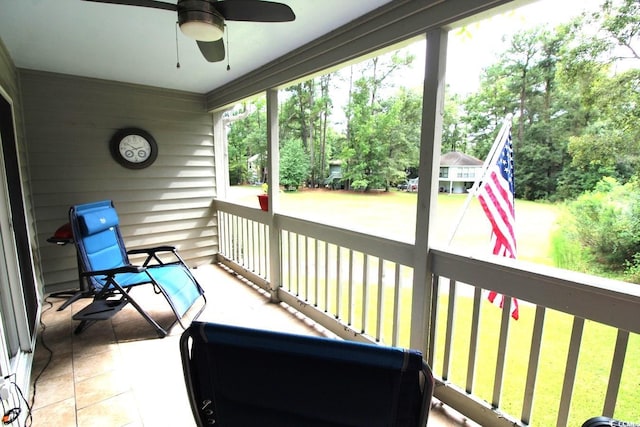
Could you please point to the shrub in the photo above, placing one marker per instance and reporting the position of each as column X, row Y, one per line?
column 607, row 223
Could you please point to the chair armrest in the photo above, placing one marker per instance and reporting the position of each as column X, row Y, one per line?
column 151, row 251
column 152, row 255
column 113, row 271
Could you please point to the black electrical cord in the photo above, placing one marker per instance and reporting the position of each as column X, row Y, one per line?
column 46, row 365
column 16, row 411
column 12, row 414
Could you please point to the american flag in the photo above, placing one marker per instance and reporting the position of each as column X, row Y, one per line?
column 496, row 195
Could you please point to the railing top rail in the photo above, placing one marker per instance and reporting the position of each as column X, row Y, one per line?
column 391, row 250
column 607, row 301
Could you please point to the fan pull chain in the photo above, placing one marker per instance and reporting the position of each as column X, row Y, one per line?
column 177, row 51
column 228, row 48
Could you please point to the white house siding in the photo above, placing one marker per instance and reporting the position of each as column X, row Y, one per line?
column 69, row 122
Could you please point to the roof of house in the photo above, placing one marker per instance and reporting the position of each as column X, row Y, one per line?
column 455, row 158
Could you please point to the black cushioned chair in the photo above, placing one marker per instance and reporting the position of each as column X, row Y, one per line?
column 239, row 377
column 607, row 422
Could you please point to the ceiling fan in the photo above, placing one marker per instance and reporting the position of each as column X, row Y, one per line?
column 203, row 20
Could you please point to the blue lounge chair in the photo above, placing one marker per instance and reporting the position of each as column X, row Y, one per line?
column 238, row 377
column 105, row 264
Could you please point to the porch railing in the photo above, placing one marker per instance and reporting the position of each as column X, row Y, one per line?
column 359, row 287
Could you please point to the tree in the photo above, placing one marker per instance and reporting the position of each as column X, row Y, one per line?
column 608, row 143
column 454, row 129
column 294, row 166
column 380, row 131
column 304, row 115
column 247, row 136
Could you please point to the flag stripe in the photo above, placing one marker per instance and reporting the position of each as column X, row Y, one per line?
column 499, row 211
column 496, row 196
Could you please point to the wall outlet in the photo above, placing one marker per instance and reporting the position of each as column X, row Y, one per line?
column 4, row 390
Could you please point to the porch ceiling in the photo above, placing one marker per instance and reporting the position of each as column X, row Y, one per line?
column 138, row 45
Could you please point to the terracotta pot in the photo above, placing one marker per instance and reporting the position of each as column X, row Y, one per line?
column 264, row 201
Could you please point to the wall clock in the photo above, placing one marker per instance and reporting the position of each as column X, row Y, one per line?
column 133, row 148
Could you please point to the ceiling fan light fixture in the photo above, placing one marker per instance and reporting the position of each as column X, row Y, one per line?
column 202, row 25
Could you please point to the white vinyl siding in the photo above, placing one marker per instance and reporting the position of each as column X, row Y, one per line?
column 70, row 121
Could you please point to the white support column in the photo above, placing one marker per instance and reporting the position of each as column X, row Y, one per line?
column 430, row 141
column 221, row 155
column 273, row 178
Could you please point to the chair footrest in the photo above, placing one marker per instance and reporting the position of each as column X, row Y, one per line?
column 101, row 309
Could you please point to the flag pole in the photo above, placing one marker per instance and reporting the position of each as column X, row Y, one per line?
column 488, row 162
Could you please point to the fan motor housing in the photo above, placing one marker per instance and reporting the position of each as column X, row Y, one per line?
column 196, row 19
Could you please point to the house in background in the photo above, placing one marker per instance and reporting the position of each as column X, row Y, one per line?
column 255, row 174
column 458, row 172
column 334, row 180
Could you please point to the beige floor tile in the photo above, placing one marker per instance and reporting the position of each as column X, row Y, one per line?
column 114, row 412
column 61, row 414
column 54, row 390
column 100, row 337
column 59, row 364
column 92, row 365
column 101, row 387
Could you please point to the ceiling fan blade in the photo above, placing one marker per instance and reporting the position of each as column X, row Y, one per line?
column 142, row 3
column 254, row 10
column 212, row 51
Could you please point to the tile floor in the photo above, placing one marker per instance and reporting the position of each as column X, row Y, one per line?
column 117, row 373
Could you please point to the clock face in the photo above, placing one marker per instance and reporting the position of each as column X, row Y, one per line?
column 133, row 148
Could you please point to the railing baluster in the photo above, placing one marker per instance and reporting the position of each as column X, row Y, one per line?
column 250, row 245
column 326, row 277
column 396, row 306
column 242, row 240
column 267, row 252
column 317, row 273
column 291, row 261
column 285, row 259
column 231, row 230
column 235, row 238
column 380, row 314
column 570, row 372
column 258, row 247
column 473, row 341
column 306, row 268
column 255, row 246
column 433, row 319
column 622, row 340
column 338, row 281
column 222, row 233
column 448, row 338
column 296, row 256
column 228, row 231
column 350, row 290
column 502, row 351
column 534, row 360
column 365, row 292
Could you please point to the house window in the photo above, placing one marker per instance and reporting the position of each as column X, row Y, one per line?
column 444, row 172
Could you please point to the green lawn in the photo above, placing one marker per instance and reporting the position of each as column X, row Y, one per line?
column 393, row 215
